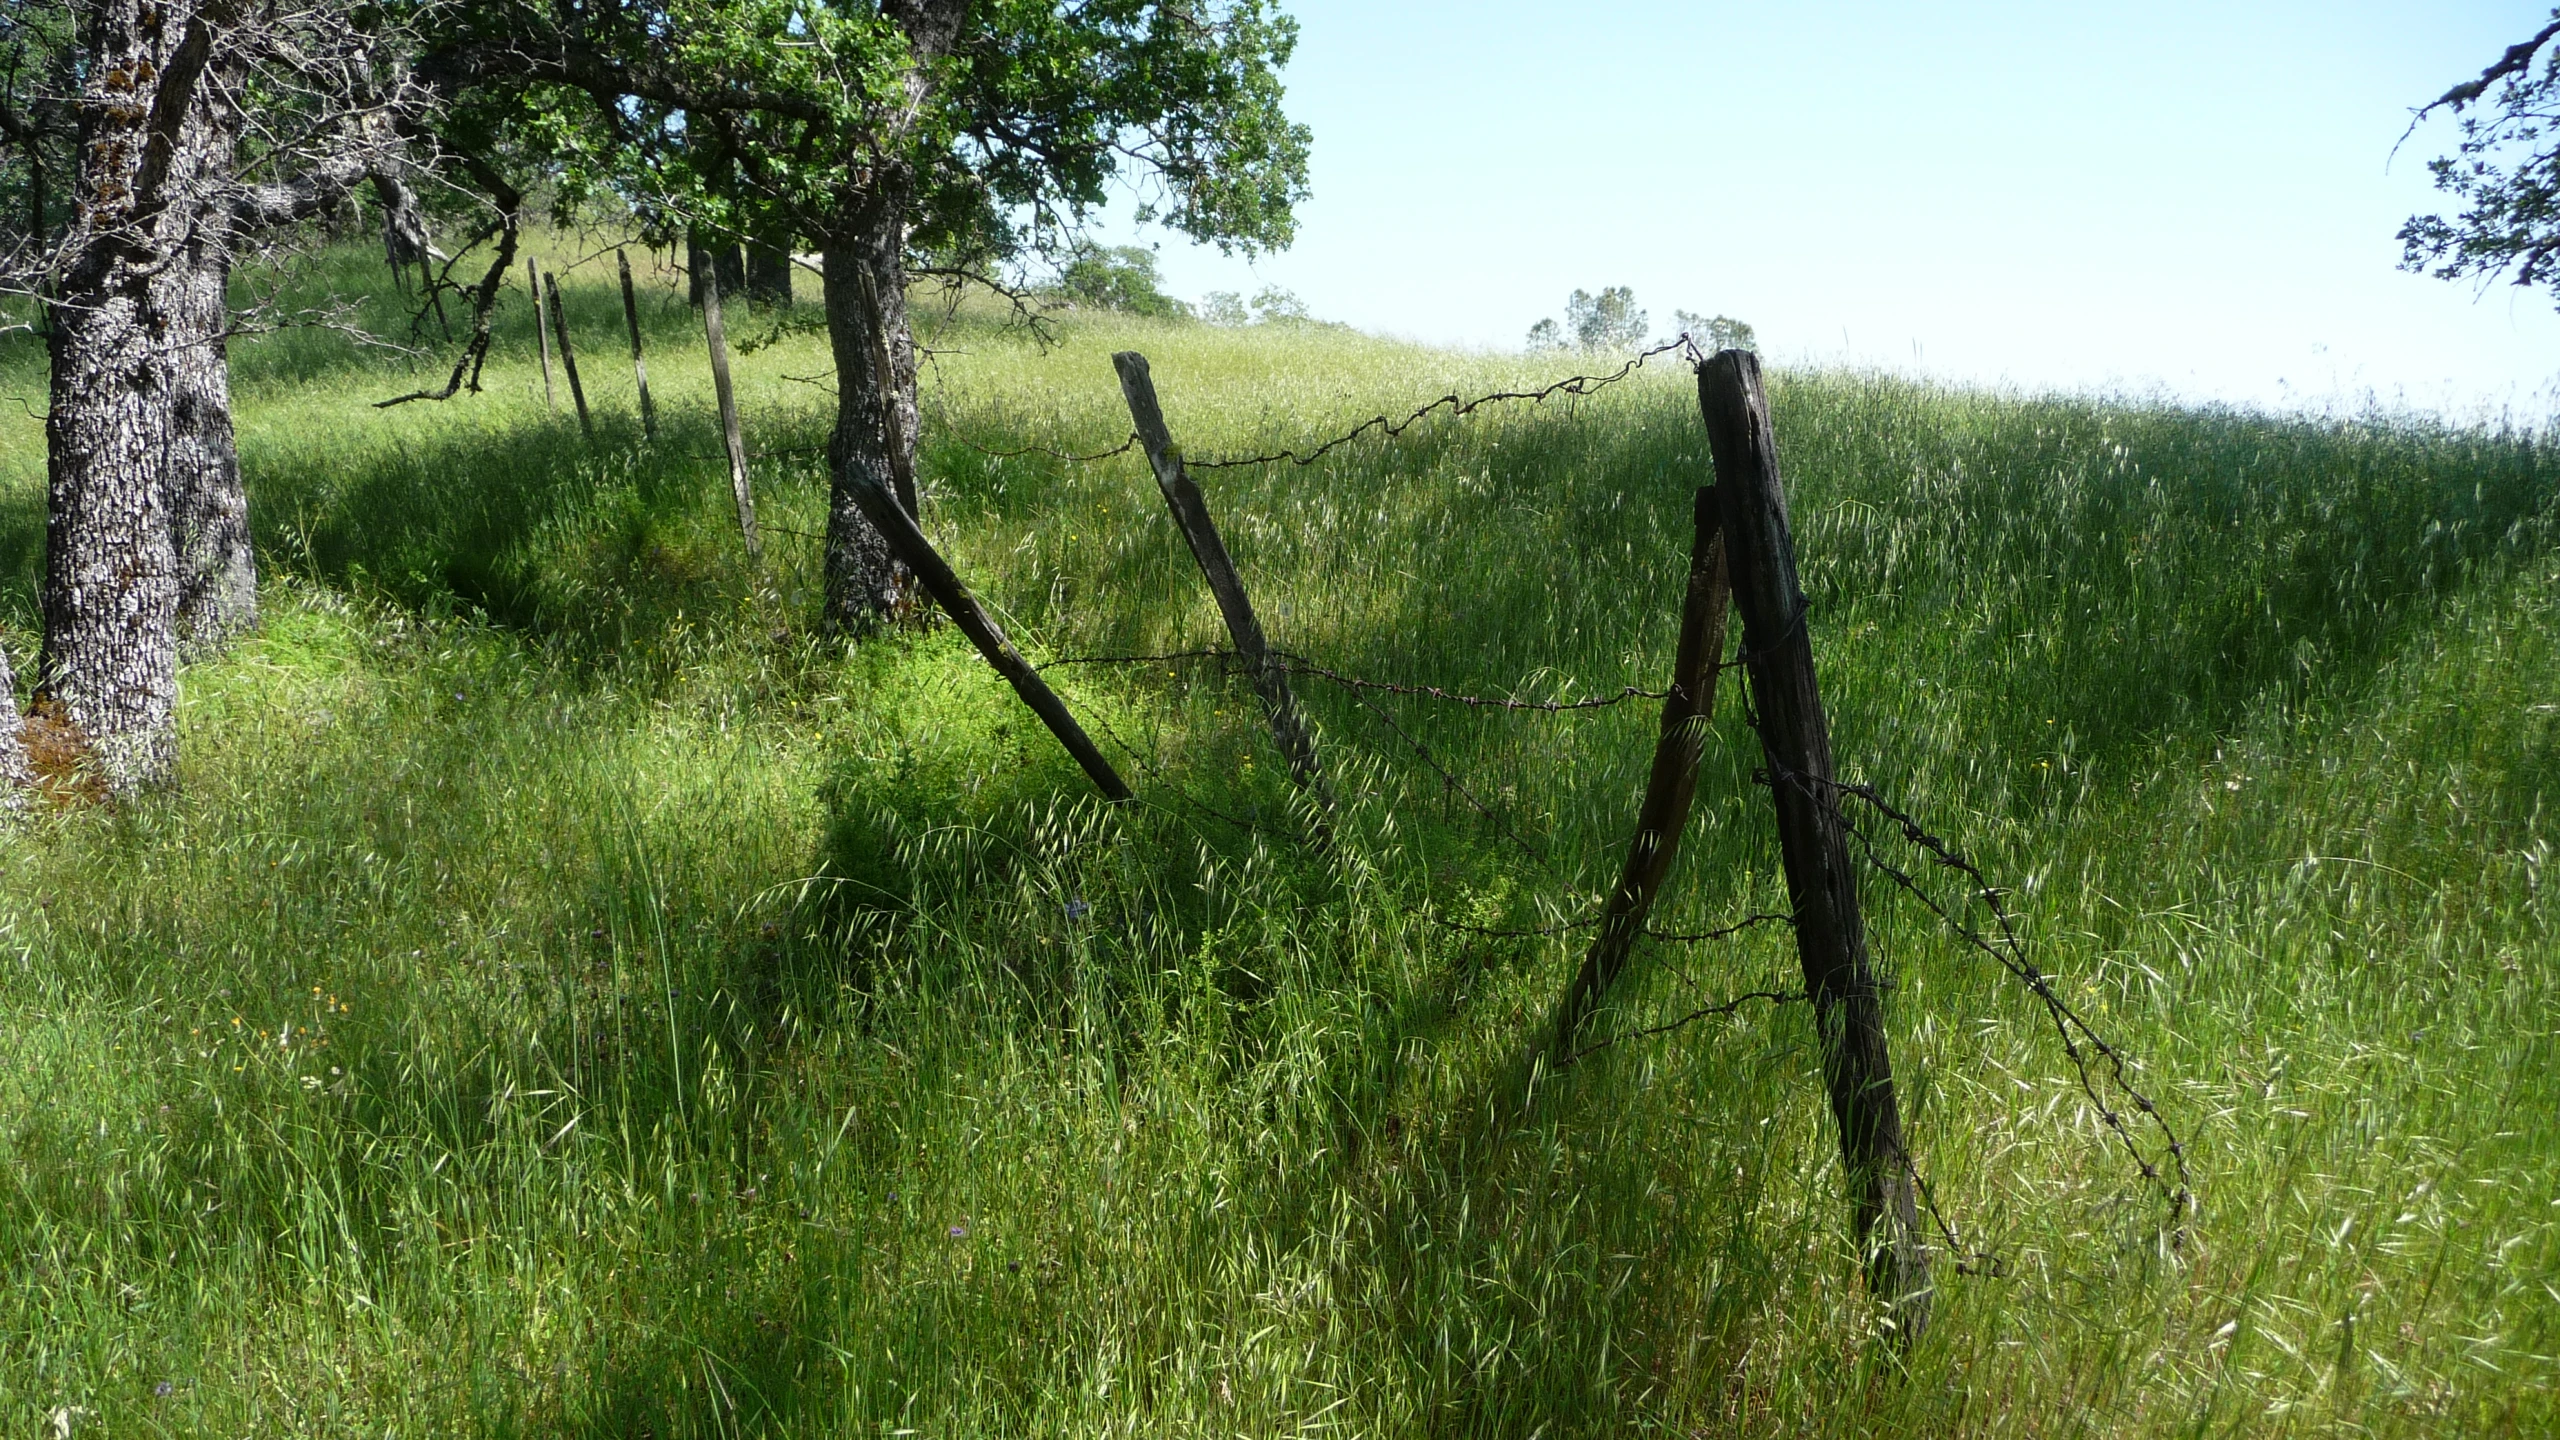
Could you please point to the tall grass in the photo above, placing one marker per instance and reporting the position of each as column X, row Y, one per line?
column 566, row 995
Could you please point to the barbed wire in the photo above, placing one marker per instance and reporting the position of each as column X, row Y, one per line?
column 1725, row 1007
column 1064, row 457
column 1292, row 663
column 1457, row 407
column 2009, row 952
column 1297, row 664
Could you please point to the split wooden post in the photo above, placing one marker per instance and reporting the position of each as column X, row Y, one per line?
column 906, row 539
column 730, row 434
column 541, row 334
column 1191, row 515
column 568, row 357
column 639, row 367
column 1795, row 740
column 1687, row 715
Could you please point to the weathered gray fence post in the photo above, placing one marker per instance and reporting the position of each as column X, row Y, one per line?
column 907, row 542
column 1687, row 715
column 1191, row 515
column 568, row 357
column 541, row 333
column 730, row 434
column 1795, row 740
column 639, row 367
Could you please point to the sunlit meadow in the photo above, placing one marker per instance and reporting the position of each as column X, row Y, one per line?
column 566, row 994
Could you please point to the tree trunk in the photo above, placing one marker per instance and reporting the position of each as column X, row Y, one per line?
column 769, row 275
column 110, row 668
column 15, row 775
column 865, row 587
column 217, row 572
column 106, row 684
column 728, row 260
column 208, row 508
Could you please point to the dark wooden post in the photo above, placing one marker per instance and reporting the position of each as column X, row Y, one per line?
column 1795, row 739
column 730, row 433
column 639, row 367
column 541, row 333
column 1191, row 515
column 907, row 541
column 1686, row 717
column 568, row 357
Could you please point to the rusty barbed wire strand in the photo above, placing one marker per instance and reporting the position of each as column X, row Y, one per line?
column 2009, row 952
column 1456, row 406
column 1064, row 457
column 1726, row 1007
column 1292, row 663
column 1297, row 664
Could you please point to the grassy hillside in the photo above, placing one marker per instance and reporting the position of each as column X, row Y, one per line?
column 565, row 995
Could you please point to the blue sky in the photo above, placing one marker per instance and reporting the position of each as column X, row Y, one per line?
column 2197, row 199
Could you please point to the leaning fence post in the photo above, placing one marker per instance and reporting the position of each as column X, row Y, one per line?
column 1795, row 739
column 906, row 540
column 1191, row 516
column 1686, row 715
column 639, row 367
column 568, row 357
column 730, row 434
column 541, row 334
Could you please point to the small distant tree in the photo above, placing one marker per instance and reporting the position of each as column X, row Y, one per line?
column 1224, row 307
column 2505, row 172
column 1118, row 277
column 1606, row 321
column 1271, row 303
column 1721, row 332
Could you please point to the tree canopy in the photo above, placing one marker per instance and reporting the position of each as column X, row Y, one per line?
column 994, row 127
column 2504, row 173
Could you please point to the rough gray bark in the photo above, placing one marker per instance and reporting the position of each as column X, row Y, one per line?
column 106, row 684
column 865, row 585
column 404, row 229
column 208, row 506
column 864, row 246
column 15, row 774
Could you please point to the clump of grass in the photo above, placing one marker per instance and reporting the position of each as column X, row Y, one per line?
column 566, row 995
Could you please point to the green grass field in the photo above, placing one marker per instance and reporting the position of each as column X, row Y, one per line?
column 565, row 995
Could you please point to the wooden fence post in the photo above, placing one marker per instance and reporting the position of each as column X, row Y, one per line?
column 730, row 434
column 1191, row 515
column 541, row 334
column 1795, row 740
column 880, row 505
column 568, row 357
column 1687, row 714
column 639, row 367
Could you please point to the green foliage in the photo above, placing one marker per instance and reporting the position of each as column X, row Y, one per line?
column 1120, row 278
column 1270, row 305
column 2504, row 173
column 771, row 116
column 1721, row 332
column 1606, row 321
column 652, row 1021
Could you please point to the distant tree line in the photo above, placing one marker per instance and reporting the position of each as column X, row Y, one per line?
column 1610, row 320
